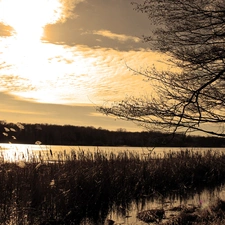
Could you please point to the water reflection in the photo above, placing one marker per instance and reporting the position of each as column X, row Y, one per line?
column 33, row 152
column 170, row 204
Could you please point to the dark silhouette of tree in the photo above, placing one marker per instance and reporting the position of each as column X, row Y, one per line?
column 191, row 95
column 49, row 134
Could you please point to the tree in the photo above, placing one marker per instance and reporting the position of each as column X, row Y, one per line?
column 191, row 96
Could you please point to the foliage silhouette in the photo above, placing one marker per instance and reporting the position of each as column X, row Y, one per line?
column 190, row 95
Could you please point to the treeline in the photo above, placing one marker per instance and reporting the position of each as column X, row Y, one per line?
column 76, row 135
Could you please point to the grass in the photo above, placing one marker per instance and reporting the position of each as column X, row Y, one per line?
column 90, row 185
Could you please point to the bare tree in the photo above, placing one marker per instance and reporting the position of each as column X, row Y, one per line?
column 192, row 34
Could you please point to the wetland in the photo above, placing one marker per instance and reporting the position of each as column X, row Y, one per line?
column 98, row 187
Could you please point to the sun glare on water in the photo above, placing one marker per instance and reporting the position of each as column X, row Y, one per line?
column 28, row 17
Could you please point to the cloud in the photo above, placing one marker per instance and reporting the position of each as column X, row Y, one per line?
column 15, row 83
column 17, row 110
column 68, row 7
column 120, row 37
column 28, row 18
column 114, row 22
column 5, row 30
column 72, row 75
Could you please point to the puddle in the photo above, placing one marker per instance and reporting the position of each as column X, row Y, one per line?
column 171, row 205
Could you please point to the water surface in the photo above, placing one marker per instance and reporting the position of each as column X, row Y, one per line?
column 17, row 152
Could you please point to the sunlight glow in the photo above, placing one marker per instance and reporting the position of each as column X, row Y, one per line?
column 37, row 70
column 40, row 71
column 28, row 17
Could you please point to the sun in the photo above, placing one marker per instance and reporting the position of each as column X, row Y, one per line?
column 28, row 17
column 24, row 51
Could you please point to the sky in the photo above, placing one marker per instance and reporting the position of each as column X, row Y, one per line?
column 59, row 59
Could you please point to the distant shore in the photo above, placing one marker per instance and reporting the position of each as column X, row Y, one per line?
column 49, row 134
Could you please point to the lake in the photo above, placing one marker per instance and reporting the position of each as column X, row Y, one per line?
column 17, row 152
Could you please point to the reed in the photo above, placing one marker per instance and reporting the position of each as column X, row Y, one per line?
column 88, row 185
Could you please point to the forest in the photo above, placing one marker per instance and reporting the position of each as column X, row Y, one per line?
column 49, row 134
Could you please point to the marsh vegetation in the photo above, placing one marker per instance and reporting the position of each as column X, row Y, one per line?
column 87, row 187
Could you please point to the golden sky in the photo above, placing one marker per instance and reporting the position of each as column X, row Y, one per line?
column 61, row 58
